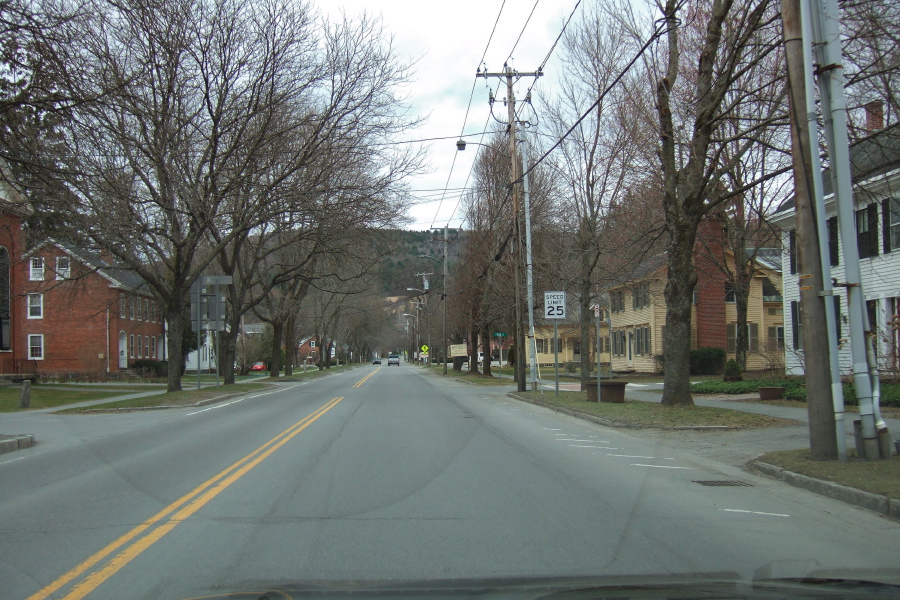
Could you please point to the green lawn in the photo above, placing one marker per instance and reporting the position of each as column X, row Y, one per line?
column 48, row 397
column 650, row 414
column 877, row 476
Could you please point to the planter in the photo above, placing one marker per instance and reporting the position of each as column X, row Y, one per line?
column 612, row 391
column 771, row 393
column 591, row 388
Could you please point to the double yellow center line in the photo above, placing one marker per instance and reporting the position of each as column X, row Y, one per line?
column 366, row 378
column 102, row 565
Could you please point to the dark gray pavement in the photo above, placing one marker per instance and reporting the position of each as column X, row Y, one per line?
column 409, row 476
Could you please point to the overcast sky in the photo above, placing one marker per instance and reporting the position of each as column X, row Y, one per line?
column 447, row 39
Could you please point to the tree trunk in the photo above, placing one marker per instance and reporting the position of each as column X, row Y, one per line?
column 473, row 352
column 176, row 326
column 277, row 337
column 585, row 326
column 290, row 345
column 741, row 299
column 678, row 293
column 486, row 350
column 229, row 353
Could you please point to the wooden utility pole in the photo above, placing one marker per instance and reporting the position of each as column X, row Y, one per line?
column 509, row 74
column 814, row 329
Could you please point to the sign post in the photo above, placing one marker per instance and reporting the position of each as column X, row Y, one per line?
column 208, row 311
column 555, row 308
column 500, row 335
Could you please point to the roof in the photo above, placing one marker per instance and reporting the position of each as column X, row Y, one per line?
column 117, row 275
column 770, row 258
column 874, row 155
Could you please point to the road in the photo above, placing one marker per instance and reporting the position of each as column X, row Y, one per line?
column 388, row 473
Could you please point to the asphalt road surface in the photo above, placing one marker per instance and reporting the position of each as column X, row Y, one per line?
column 390, row 473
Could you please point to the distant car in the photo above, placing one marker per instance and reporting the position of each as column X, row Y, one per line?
column 258, row 366
column 393, row 359
column 377, row 361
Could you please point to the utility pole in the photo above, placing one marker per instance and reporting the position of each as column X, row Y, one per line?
column 814, row 333
column 444, row 300
column 510, row 74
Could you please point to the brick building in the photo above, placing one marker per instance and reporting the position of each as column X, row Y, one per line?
column 68, row 311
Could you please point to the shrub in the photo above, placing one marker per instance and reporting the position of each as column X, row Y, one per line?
column 152, row 368
column 707, row 361
column 732, row 370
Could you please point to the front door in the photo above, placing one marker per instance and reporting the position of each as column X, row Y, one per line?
column 123, row 350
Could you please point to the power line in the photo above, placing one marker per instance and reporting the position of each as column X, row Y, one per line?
column 518, row 39
column 469, row 106
column 660, row 30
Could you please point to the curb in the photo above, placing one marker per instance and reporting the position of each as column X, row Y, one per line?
column 195, row 404
column 15, row 442
column 874, row 502
column 608, row 423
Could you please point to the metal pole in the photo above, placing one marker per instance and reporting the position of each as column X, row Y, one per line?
column 199, row 281
column 444, row 354
column 823, row 444
column 556, row 353
column 598, row 346
column 817, row 190
column 827, row 43
column 513, row 155
column 530, row 280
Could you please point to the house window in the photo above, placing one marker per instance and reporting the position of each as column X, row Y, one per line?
column 35, row 306
column 160, row 349
column 872, row 311
column 131, row 308
column 640, row 296
column 834, row 248
column 36, row 347
column 729, row 292
column 617, row 301
column 752, row 337
column 63, row 267
column 776, row 338
column 153, row 347
column 695, row 297
column 131, row 345
column 153, row 312
column 146, row 310
column 539, row 345
column 121, row 308
column 639, row 336
column 312, row 343
column 890, row 216
column 867, row 231
column 37, row 269
column 146, row 346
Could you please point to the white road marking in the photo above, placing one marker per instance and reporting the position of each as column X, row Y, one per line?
column 546, row 428
column 753, row 512
column 216, row 406
column 662, row 467
column 12, row 460
column 598, row 447
column 631, row 456
column 591, row 441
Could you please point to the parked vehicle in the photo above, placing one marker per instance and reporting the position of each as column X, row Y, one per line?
column 377, row 361
column 394, row 359
column 258, row 366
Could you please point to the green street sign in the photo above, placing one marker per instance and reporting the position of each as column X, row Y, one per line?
column 499, row 335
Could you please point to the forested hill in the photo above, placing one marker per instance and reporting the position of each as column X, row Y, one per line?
column 399, row 268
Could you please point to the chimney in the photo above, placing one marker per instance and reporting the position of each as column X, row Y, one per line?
column 874, row 116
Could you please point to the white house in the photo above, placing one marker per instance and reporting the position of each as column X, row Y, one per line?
column 875, row 168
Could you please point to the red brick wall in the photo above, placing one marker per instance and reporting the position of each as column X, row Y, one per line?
column 711, row 327
column 13, row 239
column 81, row 319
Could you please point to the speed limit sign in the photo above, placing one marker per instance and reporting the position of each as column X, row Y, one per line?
column 554, row 305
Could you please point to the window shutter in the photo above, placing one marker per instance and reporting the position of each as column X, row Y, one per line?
column 833, row 246
column 731, row 337
column 795, row 324
column 792, row 250
column 753, row 344
column 837, row 315
column 886, row 225
column 872, row 213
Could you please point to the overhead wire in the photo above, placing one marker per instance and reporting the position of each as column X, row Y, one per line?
column 469, row 106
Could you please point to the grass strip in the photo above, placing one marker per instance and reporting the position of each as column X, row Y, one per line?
column 876, row 476
column 182, row 398
column 47, row 397
column 651, row 414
